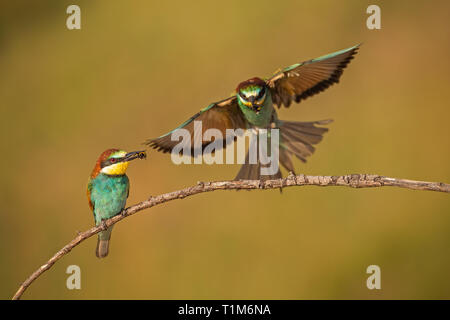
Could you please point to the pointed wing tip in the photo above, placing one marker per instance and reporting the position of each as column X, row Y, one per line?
column 326, row 121
column 153, row 144
column 149, row 143
column 355, row 48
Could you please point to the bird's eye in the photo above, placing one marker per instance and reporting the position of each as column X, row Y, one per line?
column 113, row 160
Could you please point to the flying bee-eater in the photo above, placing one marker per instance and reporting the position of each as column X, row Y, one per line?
column 108, row 189
column 252, row 107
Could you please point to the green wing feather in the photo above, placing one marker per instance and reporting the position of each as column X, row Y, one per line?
column 220, row 115
column 302, row 80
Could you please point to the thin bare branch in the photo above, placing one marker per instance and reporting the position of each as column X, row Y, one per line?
column 352, row 180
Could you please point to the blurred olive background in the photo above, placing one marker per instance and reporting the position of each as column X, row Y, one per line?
column 136, row 69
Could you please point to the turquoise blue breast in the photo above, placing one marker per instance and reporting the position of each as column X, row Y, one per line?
column 108, row 195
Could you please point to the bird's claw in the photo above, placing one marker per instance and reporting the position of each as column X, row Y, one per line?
column 262, row 183
column 104, row 226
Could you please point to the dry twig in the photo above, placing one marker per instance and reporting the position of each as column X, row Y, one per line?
column 353, row 180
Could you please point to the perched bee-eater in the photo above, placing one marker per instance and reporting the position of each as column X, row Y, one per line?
column 252, row 106
column 108, row 190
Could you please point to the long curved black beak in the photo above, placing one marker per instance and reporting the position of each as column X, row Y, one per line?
column 135, row 155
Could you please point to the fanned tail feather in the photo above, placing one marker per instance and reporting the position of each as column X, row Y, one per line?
column 296, row 139
column 253, row 172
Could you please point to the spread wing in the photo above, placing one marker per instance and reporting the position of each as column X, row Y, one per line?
column 220, row 115
column 302, row 80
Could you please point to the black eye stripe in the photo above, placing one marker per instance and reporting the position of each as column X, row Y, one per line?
column 261, row 93
column 109, row 162
column 104, row 163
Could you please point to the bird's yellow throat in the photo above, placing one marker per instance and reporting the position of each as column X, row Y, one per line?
column 116, row 169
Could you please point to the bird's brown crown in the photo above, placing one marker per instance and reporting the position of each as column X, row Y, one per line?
column 98, row 165
column 251, row 82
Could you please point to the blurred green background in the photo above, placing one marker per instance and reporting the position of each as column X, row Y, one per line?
column 136, row 69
